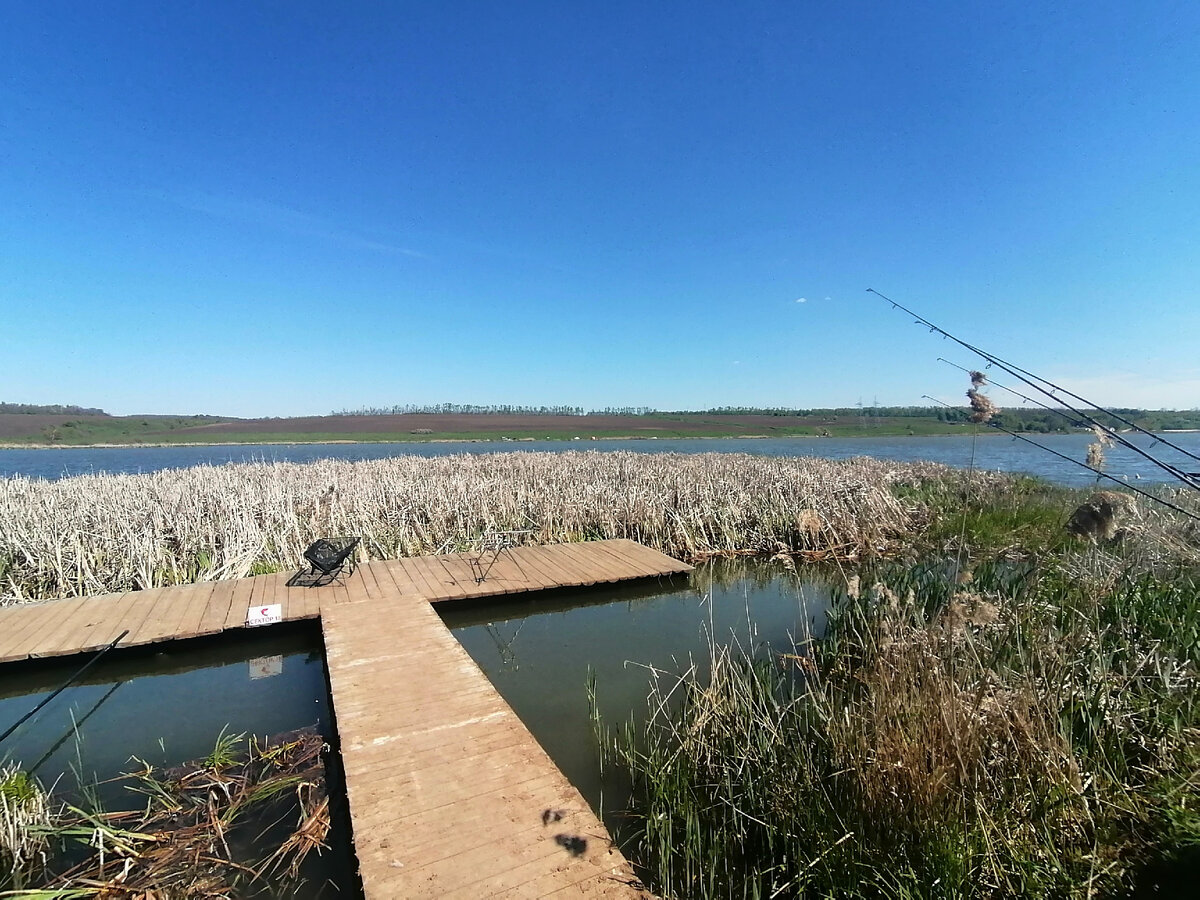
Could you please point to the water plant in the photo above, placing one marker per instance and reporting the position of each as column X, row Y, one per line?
column 1022, row 725
column 189, row 839
column 25, row 824
column 103, row 533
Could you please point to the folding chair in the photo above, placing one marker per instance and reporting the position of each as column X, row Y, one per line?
column 327, row 559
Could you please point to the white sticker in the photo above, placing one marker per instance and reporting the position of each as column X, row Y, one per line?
column 265, row 667
column 264, row 615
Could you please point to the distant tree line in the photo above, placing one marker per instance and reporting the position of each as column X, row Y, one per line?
column 461, row 409
column 497, row 409
column 1014, row 419
column 1042, row 421
column 53, row 409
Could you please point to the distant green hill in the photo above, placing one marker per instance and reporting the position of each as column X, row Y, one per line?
column 29, row 425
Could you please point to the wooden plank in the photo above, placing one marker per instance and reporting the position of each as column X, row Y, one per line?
column 660, row 562
column 213, row 618
column 337, row 590
column 404, row 592
column 133, row 615
column 417, row 577
column 512, row 575
column 370, row 582
column 24, row 620
column 542, row 568
column 534, row 569
column 268, row 596
column 102, row 619
column 565, row 561
column 440, row 582
column 499, row 573
column 303, row 602
column 616, row 556
column 612, row 568
column 246, row 595
column 649, row 563
column 132, row 612
column 619, row 565
column 458, row 570
column 290, row 600
column 628, row 565
column 49, row 626
column 422, row 829
column 21, row 623
column 190, row 623
column 356, row 586
column 581, row 559
column 561, row 575
column 241, row 601
column 402, row 582
column 165, row 619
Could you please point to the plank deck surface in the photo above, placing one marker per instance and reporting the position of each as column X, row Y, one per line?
column 450, row 795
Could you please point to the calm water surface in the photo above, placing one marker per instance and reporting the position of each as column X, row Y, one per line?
column 539, row 654
column 168, row 708
column 990, row 451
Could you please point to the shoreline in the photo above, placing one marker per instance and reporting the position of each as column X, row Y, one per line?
column 525, row 440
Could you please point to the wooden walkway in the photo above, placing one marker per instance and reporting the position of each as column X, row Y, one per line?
column 449, row 794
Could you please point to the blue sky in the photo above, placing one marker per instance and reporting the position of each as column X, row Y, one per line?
column 286, row 208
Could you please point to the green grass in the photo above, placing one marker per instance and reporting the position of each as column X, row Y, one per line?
column 1028, row 728
column 183, row 431
column 1018, row 514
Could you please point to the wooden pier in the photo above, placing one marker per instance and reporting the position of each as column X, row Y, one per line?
column 450, row 795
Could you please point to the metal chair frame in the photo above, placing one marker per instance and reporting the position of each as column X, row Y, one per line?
column 328, row 559
column 494, row 543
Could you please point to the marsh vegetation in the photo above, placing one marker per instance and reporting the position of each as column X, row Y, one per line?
column 996, row 706
column 96, row 534
column 188, row 832
column 1004, row 710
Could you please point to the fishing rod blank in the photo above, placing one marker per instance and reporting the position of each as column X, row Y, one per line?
column 66, row 684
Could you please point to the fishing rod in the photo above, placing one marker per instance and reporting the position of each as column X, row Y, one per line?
column 1025, row 376
column 1124, row 484
column 1189, row 480
column 66, row 684
column 1045, row 406
column 74, row 729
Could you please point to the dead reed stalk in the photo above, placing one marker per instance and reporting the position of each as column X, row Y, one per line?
column 96, row 534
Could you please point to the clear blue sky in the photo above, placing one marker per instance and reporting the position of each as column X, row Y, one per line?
column 285, row 208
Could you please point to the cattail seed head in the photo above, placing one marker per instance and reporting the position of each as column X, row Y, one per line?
column 982, row 408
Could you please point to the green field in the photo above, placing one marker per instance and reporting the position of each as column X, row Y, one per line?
column 53, row 427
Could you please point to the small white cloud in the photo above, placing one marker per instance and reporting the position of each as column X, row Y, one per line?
column 828, row 298
column 801, row 299
column 737, row 362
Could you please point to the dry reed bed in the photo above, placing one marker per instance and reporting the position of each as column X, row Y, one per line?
column 105, row 533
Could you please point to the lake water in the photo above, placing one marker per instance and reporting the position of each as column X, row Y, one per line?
column 990, row 451
column 167, row 708
column 540, row 652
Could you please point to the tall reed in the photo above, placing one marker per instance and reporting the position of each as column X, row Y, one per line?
column 104, row 533
column 1027, row 729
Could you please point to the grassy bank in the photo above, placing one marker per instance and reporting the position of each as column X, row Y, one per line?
column 102, row 430
column 147, row 437
column 1019, row 718
column 104, row 533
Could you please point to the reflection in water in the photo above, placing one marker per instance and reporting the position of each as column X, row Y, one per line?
column 991, row 451
column 540, row 653
column 168, row 707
